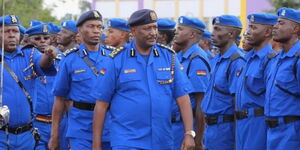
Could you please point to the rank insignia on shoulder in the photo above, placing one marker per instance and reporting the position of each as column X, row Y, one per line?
column 116, row 51
column 79, row 71
column 102, row 71
column 110, row 47
column 129, row 71
column 69, row 51
column 166, row 47
column 201, row 72
column 58, row 56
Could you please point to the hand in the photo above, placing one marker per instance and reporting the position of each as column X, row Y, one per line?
column 50, row 52
column 53, row 143
column 188, row 143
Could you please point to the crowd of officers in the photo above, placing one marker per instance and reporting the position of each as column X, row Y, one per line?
column 150, row 83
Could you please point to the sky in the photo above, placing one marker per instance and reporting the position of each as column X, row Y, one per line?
column 63, row 7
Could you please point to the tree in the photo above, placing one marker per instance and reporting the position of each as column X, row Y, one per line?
column 285, row 3
column 27, row 10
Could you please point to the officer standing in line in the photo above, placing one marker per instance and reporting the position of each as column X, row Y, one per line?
column 166, row 29
column 246, row 46
column 195, row 64
column 54, row 30
column 117, row 32
column 205, row 44
column 142, row 80
column 282, row 107
column 22, row 65
column 66, row 38
column 218, row 103
column 43, row 98
column 251, row 132
column 76, row 77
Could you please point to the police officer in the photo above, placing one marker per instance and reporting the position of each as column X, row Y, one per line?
column 250, row 96
column 22, row 65
column 78, row 72
column 166, row 29
column 282, row 107
column 66, row 38
column 54, row 30
column 245, row 44
column 141, row 81
column 117, row 32
column 195, row 64
column 218, row 103
column 43, row 98
column 205, row 44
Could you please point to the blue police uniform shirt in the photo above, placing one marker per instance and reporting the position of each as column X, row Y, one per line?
column 198, row 74
column 218, row 98
column 284, row 79
column 13, row 96
column 75, row 81
column 210, row 54
column 141, row 106
column 251, row 85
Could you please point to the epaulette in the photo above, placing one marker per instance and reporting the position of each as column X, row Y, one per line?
column 58, row 57
column 166, row 47
column 235, row 56
column 69, row 51
column 110, row 47
column 194, row 56
column 297, row 54
column 271, row 55
column 116, row 51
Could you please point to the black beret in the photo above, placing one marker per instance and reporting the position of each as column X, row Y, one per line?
column 89, row 15
column 141, row 17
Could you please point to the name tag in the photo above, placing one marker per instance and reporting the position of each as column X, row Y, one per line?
column 129, row 71
column 79, row 71
column 164, row 69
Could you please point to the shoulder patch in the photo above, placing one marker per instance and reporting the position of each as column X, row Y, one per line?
column 166, row 47
column 271, row 55
column 235, row 56
column 69, row 51
column 110, row 47
column 116, row 51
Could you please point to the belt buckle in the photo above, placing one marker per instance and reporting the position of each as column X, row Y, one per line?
column 212, row 120
column 18, row 130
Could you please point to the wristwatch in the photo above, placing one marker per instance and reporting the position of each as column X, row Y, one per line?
column 191, row 133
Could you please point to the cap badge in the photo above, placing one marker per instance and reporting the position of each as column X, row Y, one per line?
column 181, row 20
column 45, row 30
column 217, row 20
column 13, row 19
column 96, row 15
column 252, row 18
column 283, row 13
column 64, row 24
column 153, row 16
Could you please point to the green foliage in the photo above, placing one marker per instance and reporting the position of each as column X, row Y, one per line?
column 285, row 3
column 27, row 10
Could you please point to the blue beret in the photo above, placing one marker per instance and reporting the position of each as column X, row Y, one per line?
column 69, row 25
column 22, row 29
column 9, row 20
column 89, row 15
column 38, row 29
column 141, row 17
column 289, row 13
column 206, row 35
column 227, row 20
column 118, row 23
column 54, row 29
column 263, row 18
column 35, row 22
column 166, row 24
column 193, row 22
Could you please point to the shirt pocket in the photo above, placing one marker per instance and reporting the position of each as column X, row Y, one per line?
column 164, row 80
column 255, row 83
column 131, row 83
column 288, row 84
column 82, row 81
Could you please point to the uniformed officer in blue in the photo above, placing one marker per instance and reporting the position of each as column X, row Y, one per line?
column 66, row 38
column 282, row 107
column 54, row 29
column 251, row 130
column 117, row 32
column 142, row 80
column 166, row 29
column 25, row 64
column 206, row 45
column 218, row 103
column 76, row 77
column 195, row 64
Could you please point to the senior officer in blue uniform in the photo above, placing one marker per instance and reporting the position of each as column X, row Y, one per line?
column 43, row 98
column 218, row 103
column 166, row 29
column 142, row 79
column 282, row 107
column 117, row 32
column 76, row 77
column 251, row 130
column 195, row 64
column 26, row 63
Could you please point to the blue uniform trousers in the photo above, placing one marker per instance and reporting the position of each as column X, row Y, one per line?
column 23, row 141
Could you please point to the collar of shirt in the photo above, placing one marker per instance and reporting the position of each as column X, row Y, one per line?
column 81, row 53
column 188, row 53
column 14, row 54
column 291, row 52
column 138, row 56
column 229, row 52
column 263, row 52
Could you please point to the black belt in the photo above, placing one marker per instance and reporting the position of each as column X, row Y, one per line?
column 18, row 130
column 84, row 106
column 211, row 120
column 274, row 122
column 245, row 113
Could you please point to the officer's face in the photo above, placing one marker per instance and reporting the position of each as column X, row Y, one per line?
column 257, row 33
column 91, row 31
column 220, row 35
column 283, row 30
column 182, row 34
column 114, row 37
column 11, row 38
column 40, row 41
column 65, row 37
column 145, row 34
column 161, row 38
column 246, row 46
